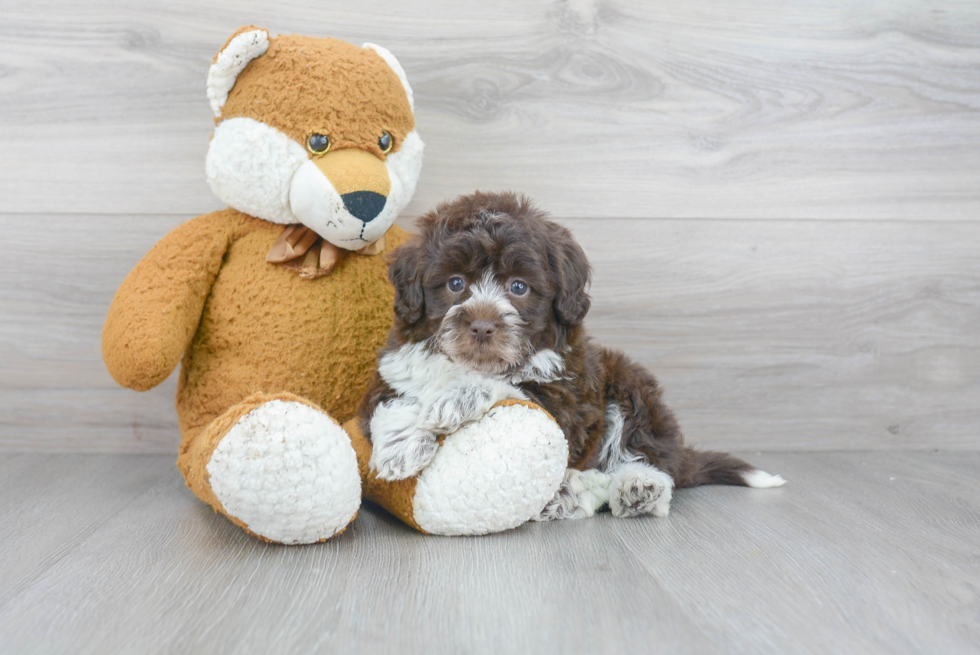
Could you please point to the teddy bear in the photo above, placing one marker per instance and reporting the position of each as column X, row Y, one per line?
column 276, row 307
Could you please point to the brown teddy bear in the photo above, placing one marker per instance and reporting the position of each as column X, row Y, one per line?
column 277, row 306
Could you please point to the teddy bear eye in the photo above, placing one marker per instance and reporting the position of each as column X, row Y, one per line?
column 385, row 143
column 318, row 144
column 518, row 287
column 456, row 284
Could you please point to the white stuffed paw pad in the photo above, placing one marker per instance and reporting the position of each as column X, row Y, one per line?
column 637, row 489
column 493, row 474
column 288, row 472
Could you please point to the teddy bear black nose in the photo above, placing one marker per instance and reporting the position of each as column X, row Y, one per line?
column 365, row 205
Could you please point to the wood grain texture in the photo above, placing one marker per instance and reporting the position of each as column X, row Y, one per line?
column 798, row 335
column 860, row 553
column 50, row 504
column 782, row 335
column 744, row 109
column 857, row 554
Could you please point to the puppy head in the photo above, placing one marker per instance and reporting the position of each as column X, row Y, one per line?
column 490, row 280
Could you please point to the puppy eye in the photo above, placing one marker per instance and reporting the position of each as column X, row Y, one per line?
column 518, row 287
column 456, row 284
column 318, row 144
column 385, row 143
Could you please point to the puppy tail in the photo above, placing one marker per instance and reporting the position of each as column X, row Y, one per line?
column 710, row 467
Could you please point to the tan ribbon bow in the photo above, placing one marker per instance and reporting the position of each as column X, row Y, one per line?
column 302, row 250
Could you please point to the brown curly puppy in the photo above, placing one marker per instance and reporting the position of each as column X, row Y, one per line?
column 489, row 304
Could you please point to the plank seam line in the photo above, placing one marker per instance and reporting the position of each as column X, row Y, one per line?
column 558, row 217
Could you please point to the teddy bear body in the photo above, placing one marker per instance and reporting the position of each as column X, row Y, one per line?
column 322, row 345
column 277, row 306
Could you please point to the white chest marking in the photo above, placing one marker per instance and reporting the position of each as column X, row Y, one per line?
column 543, row 367
column 417, row 372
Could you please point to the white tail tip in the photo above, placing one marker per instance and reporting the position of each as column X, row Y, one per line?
column 761, row 480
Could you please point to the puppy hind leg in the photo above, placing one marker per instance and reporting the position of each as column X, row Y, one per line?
column 580, row 496
column 591, row 488
column 562, row 506
column 636, row 489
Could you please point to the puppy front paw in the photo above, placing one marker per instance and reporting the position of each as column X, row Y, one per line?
column 637, row 489
column 455, row 408
column 403, row 455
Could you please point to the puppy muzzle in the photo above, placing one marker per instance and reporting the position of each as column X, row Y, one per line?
column 482, row 338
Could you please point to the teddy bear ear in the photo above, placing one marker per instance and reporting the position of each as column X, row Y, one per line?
column 397, row 67
column 245, row 45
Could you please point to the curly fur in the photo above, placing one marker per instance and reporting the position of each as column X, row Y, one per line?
column 610, row 408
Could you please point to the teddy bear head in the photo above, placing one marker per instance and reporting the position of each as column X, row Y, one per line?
column 313, row 131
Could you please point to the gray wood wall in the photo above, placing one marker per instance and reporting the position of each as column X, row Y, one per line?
column 780, row 198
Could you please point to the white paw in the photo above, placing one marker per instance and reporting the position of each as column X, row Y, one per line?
column 562, row 506
column 580, row 496
column 288, row 472
column 455, row 408
column 638, row 488
column 402, row 455
column 591, row 488
column 394, row 416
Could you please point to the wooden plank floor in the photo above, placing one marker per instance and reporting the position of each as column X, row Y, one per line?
column 859, row 553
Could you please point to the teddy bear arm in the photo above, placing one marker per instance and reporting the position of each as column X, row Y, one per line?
column 157, row 308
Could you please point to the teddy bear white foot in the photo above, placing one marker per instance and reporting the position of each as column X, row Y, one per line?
column 493, row 474
column 288, row 472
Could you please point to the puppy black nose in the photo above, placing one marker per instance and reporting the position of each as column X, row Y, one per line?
column 482, row 330
column 365, row 205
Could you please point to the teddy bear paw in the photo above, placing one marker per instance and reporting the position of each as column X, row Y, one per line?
column 493, row 474
column 288, row 472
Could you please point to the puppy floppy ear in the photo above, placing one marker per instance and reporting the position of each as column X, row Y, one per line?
column 405, row 273
column 572, row 275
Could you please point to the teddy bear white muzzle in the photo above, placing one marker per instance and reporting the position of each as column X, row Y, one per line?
column 349, row 197
column 349, row 218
